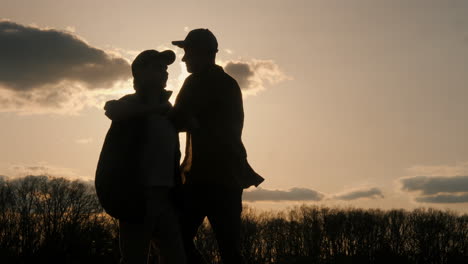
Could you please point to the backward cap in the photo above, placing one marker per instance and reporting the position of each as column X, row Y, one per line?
column 147, row 57
column 201, row 39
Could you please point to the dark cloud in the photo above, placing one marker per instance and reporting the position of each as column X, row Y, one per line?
column 49, row 68
column 252, row 75
column 294, row 194
column 430, row 185
column 43, row 169
column 241, row 72
column 444, row 198
column 371, row 193
column 31, row 168
column 437, row 189
column 32, row 58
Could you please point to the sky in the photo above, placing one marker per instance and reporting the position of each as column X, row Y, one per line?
column 358, row 103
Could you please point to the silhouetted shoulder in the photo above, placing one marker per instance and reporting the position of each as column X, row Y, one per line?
column 190, row 79
column 231, row 80
column 231, row 85
column 129, row 98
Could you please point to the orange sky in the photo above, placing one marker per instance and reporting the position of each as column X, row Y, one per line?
column 360, row 103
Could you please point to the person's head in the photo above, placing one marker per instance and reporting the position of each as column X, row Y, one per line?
column 200, row 47
column 149, row 69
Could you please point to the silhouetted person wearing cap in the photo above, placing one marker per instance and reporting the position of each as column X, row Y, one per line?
column 139, row 164
column 209, row 109
column 215, row 170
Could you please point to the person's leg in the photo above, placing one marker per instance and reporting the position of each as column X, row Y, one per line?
column 132, row 242
column 225, row 219
column 135, row 238
column 191, row 215
column 167, row 229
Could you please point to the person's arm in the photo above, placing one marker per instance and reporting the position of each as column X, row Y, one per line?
column 117, row 110
column 182, row 112
column 181, row 121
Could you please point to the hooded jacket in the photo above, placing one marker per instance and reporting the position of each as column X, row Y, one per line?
column 120, row 177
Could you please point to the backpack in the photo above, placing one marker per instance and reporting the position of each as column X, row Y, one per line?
column 118, row 181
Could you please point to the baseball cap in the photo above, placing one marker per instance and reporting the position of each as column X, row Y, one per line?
column 147, row 57
column 201, row 38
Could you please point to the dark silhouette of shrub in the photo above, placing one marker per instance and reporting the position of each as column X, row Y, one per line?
column 55, row 220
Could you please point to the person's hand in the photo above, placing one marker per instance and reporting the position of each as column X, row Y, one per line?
column 109, row 104
column 117, row 110
column 112, row 109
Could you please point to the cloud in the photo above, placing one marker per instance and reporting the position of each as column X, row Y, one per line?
column 52, row 69
column 444, row 198
column 294, row 194
column 430, row 185
column 253, row 76
column 304, row 194
column 42, row 168
column 371, row 193
column 437, row 189
column 33, row 58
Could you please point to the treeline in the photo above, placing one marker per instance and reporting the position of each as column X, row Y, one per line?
column 54, row 220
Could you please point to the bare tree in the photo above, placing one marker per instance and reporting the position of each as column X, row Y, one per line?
column 55, row 220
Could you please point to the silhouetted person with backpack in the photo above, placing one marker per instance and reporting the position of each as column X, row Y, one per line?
column 215, row 170
column 139, row 165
